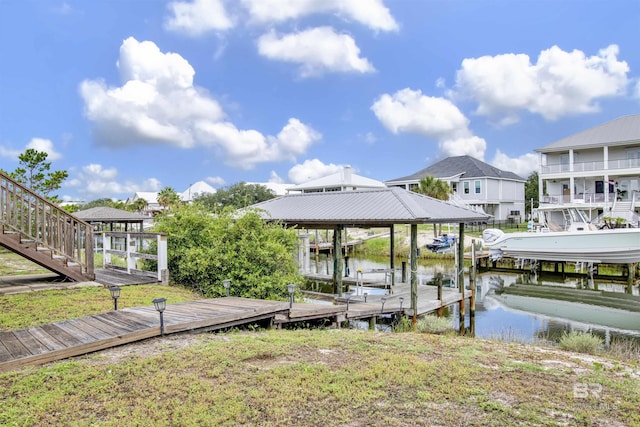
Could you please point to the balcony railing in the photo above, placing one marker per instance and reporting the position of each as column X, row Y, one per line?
column 587, row 198
column 592, row 166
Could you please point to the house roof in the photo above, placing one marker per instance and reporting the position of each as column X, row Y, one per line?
column 197, row 189
column 363, row 208
column 621, row 131
column 344, row 178
column 466, row 167
column 109, row 214
column 150, row 196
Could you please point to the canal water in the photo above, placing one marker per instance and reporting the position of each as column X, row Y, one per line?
column 512, row 317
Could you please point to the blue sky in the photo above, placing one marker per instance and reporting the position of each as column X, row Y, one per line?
column 139, row 95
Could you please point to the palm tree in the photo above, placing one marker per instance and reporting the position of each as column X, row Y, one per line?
column 139, row 205
column 436, row 188
column 167, row 197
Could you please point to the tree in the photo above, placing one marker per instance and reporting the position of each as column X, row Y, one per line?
column 205, row 249
column 35, row 172
column 138, row 205
column 168, row 198
column 434, row 187
column 531, row 192
column 238, row 196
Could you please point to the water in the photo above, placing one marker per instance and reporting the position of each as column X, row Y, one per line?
column 514, row 318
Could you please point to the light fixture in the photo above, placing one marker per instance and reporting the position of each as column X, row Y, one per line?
column 115, row 294
column 160, row 304
column 347, row 295
column 291, row 288
column 383, row 300
column 401, row 301
column 227, row 284
column 365, row 296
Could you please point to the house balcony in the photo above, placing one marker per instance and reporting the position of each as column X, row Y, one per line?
column 592, row 199
column 619, row 166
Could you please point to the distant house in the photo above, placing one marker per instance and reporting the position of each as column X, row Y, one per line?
column 151, row 198
column 596, row 170
column 344, row 180
column 476, row 184
column 198, row 189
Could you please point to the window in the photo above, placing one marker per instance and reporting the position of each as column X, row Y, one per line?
column 477, row 187
column 466, row 187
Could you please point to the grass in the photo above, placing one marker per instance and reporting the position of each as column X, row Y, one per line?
column 12, row 264
column 580, row 342
column 321, row 378
column 49, row 306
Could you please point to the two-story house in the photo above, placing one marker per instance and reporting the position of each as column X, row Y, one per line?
column 476, row 184
column 596, row 171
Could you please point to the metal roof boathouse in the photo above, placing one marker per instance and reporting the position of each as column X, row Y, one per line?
column 383, row 207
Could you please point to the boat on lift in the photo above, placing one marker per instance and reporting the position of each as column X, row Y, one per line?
column 576, row 241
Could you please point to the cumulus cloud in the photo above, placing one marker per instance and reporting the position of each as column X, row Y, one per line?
column 38, row 144
column 158, row 103
column 317, row 50
column 311, row 169
column 371, row 13
column 560, row 83
column 95, row 181
column 522, row 166
column 197, row 17
column 216, row 181
column 409, row 111
column 275, row 178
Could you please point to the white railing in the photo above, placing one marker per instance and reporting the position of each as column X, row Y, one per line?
column 592, row 166
column 132, row 246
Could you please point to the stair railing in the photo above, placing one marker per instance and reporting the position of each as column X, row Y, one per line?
column 36, row 219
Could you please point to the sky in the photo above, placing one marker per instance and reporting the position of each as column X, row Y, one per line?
column 140, row 95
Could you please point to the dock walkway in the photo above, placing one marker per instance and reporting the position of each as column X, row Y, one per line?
column 74, row 337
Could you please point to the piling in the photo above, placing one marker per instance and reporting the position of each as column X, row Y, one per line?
column 631, row 271
column 404, row 271
column 439, row 285
column 472, row 280
column 372, row 323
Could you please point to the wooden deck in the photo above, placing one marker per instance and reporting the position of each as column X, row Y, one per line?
column 75, row 337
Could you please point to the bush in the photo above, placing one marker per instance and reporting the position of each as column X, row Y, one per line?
column 580, row 342
column 204, row 249
column 434, row 325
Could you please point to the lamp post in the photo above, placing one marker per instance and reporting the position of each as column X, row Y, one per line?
column 292, row 289
column 227, row 284
column 365, row 296
column 115, row 294
column 347, row 295
column 160, row 304
column 401, row 301
column 383, row 300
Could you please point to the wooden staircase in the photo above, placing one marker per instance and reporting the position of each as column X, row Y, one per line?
column 44, row 233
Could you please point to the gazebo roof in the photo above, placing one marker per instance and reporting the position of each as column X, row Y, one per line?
column 364, row 208
column 108, row 214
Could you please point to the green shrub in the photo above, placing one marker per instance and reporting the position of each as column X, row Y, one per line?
column 434, row 325
column 404, row 325
column 580, row 342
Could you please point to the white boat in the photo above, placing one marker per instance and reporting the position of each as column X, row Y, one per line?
column 579, row 242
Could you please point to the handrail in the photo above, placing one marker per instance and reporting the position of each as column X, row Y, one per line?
column 35, row 218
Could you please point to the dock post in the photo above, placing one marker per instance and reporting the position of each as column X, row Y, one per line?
column 372, row 323
column 460, row 273
column 631, row 271
column 392, row 251
column 404, row 271
column 414, row 272
column 439, row 284
column 472, row 280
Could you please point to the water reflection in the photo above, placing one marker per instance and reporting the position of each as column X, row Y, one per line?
column 518, row 318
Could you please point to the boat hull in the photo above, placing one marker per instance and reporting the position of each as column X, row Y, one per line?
column 617, row 246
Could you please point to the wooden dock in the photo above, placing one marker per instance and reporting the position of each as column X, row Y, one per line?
column 74, row 337
column 47, row 343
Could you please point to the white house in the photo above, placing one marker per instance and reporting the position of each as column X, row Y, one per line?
column 476, row 184
column 198, row 189
column 345, row 180
column 597, row 170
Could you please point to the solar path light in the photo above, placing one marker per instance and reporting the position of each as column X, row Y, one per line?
column 292, row 289
column 401, row 301
column 160, row 304
column 347, row 295
column 227, row 284
column 383, row 300
column 115, row 294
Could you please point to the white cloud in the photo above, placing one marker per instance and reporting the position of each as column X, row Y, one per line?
column 275, row 178
column 560, row 83
column 159, row 104
column 522, row 166
column 371, row 13
column 95, row 181
column 409, row 111
column 44, row 145
column 197, row 17
column 317, row 50
column 311, row 169
column 38, row 144
column 215, row 180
